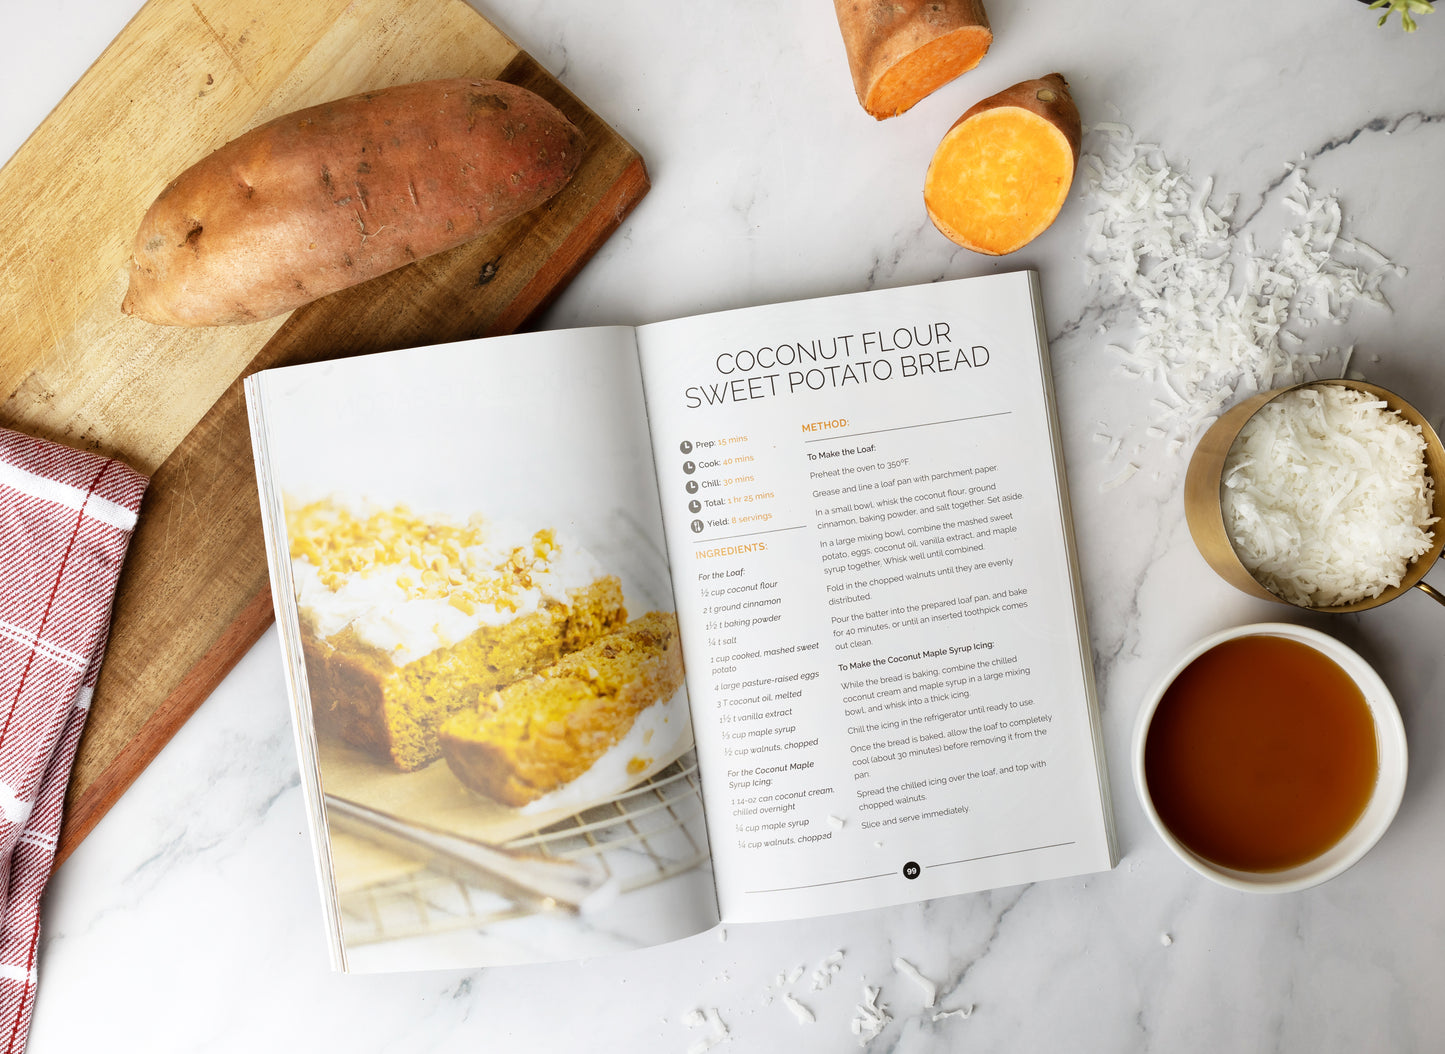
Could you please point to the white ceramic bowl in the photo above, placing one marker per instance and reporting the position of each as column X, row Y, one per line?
column 1389, row 784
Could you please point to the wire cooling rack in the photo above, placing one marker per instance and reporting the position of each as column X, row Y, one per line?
column 645, row 835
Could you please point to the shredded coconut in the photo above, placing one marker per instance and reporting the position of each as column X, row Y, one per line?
column 962, row 1011
column 1325, row 496
column 869, row 1017
column 1216, row 315
column 717, row 1033
column 827, row 970
column 1122, row 478
column 802, row 1013
column 908, row 970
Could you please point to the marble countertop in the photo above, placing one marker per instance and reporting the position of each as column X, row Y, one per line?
column 189, row 920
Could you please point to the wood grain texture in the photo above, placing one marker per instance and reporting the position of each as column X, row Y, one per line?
column 181, row 79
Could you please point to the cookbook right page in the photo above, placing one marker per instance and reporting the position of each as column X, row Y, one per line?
column 872, row 555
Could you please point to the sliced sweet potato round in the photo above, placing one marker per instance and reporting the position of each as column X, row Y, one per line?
column 1001, row 174
column 900, row 51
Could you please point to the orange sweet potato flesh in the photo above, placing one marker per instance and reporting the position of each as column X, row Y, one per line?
column 901, row 51
column 330, row 196
column 1001, row 173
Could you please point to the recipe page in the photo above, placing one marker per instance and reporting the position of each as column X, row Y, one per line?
column 481, row 520
column 886, row 656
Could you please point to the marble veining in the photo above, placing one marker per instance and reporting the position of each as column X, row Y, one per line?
column 190, row 919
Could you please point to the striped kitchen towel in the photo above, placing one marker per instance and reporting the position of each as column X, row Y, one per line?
column 65, row 520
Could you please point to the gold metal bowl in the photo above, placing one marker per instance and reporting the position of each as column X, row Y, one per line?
column 1205, row 514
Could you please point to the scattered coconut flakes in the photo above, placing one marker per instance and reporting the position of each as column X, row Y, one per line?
column 1325, row 496
column 962, row 1011
column 802, row 1013
column 722, row 935
column 1213, row 311
column 1166, row 939
column 1122, row 478
column 784, row 980
column 836, row 822
column 869, row 1017
column 908, row 970
column 719, row 1031
column 827, row 970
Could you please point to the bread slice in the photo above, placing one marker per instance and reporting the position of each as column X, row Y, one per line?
column 546, row 730
column 406, row 619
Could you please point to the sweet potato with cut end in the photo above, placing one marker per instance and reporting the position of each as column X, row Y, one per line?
column 901, row 51
column 1001, row 173
column 326, row 197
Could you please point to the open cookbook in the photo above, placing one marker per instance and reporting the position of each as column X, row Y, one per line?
column 598, row 638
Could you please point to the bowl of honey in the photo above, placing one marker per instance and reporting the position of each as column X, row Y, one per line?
column 1270, row 758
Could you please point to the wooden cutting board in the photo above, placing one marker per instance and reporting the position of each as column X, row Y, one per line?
column 181, row 79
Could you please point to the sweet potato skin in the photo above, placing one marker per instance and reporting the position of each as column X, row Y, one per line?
column 883, row 37
column 330, row 196
column 1047, row 98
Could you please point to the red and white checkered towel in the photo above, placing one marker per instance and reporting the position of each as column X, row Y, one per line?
column 65, row 521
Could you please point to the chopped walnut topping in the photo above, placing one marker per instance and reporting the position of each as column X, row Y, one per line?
column 339, row 543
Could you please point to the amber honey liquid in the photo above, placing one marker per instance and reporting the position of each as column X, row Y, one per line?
column 1261, row 755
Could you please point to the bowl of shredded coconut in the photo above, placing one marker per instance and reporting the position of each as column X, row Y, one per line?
column 1324, row 495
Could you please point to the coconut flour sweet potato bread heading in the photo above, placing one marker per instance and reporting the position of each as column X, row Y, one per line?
column 329, row 196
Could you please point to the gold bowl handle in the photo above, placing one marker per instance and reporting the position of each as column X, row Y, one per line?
column 1431, row 591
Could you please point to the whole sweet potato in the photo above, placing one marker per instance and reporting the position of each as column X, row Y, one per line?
column 329, row 196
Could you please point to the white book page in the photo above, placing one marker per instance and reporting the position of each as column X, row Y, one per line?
column 887, row 664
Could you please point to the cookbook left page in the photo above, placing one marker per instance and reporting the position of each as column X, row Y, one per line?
column 474, row 604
